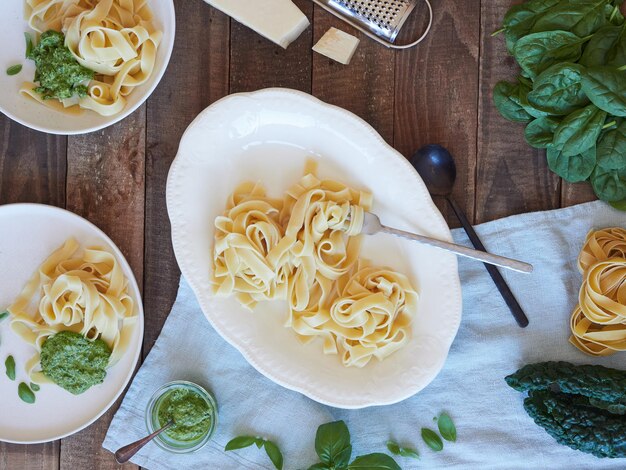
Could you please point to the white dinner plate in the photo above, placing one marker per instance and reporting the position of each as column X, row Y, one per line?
column 28, row 112
column 30, row 233
column 267, row 136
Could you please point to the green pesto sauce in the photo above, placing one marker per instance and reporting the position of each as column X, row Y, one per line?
column 189, row 411
column 73, row 362
column 59, row 74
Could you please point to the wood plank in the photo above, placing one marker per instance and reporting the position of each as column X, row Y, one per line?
column 32, row 169
column 196, row 76
column 256, row 62
column 436, row 93
column 365, row 86
column 511, row 176
column 106, row 185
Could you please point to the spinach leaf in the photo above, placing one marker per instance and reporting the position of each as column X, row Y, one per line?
column 539, row 51
column 507, row 101
column 331, row 440
column 432, row 440
column 523, row 92
column 25, row 393
column 558, row 89
column 540, row 132
column 374, row 462
column 581, row 17
column 609, row 185
column 606, row 88
column 575, row 168
column 520, row 19
column 579, row 131
column 446, row 426
column 612, row 148
column 606, row 47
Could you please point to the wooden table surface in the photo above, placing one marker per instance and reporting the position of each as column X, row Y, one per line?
column 439, row 92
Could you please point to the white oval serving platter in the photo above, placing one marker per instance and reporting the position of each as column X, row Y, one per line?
column 267, row 136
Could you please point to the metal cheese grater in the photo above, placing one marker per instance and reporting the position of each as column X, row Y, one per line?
column 379, row 19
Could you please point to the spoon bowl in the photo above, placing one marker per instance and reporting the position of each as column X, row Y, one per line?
column 436, row 167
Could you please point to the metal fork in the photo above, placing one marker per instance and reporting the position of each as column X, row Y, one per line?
column 372, row 226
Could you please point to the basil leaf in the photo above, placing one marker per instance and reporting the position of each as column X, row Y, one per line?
column 25, row 393
column 343, row 458
column 605, row 87
column 579, row 130
column 446, row 427
column 34, row 387
column 29, row 45
column 395, row 449
column 432, row 440
column 4, row 315
column 330, row 440
column 606, row 47
column 319, row 466
column 609, row 185
column 558, row 89
column 14, row 69
column 573, row 168
column 540, row 132
column 506, row 99
column 374, row 462
column 273, row 452
column 580, row 17
column 539, row 51
column 240, row 442
column 9, row 365
column 612, row 148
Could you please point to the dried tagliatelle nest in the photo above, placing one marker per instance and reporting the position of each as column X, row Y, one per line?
column 599, row 320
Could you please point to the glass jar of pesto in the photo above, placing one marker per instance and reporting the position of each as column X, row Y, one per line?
column 193, row 410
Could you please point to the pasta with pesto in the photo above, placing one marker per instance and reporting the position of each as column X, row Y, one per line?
column 83, row 291
column 116, row 39
column 305, row 248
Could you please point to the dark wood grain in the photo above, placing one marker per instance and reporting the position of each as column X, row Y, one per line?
column 437, row 90
column 32, row 169
column 256, row 62
column 365, row 86
column 511, row 176
column 176, row 102
column 106, row 185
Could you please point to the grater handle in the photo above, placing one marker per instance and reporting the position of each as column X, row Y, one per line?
column 378, row 39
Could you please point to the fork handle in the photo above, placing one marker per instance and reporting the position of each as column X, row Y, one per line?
column 461, row 250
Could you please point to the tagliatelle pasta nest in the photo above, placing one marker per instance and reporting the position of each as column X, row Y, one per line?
column 305, row 249
column 72, row 291
column 598, row 323
column 115, row 38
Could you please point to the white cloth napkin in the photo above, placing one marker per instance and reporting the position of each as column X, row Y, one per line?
column 494, row 431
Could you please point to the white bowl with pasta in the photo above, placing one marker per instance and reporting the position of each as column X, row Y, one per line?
column 128, row 56
column 267, row 137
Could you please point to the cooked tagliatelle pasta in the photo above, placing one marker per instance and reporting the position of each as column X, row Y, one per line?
column 83, row 291
column 115, row 38
column 305, row 248
column 598, row 322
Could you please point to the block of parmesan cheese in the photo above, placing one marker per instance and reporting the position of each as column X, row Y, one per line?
column 280, row 21
column 337, row 45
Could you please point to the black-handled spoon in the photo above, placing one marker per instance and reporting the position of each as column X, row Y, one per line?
column 436, row 167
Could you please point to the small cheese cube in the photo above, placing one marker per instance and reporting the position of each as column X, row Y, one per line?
column 337, row 45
